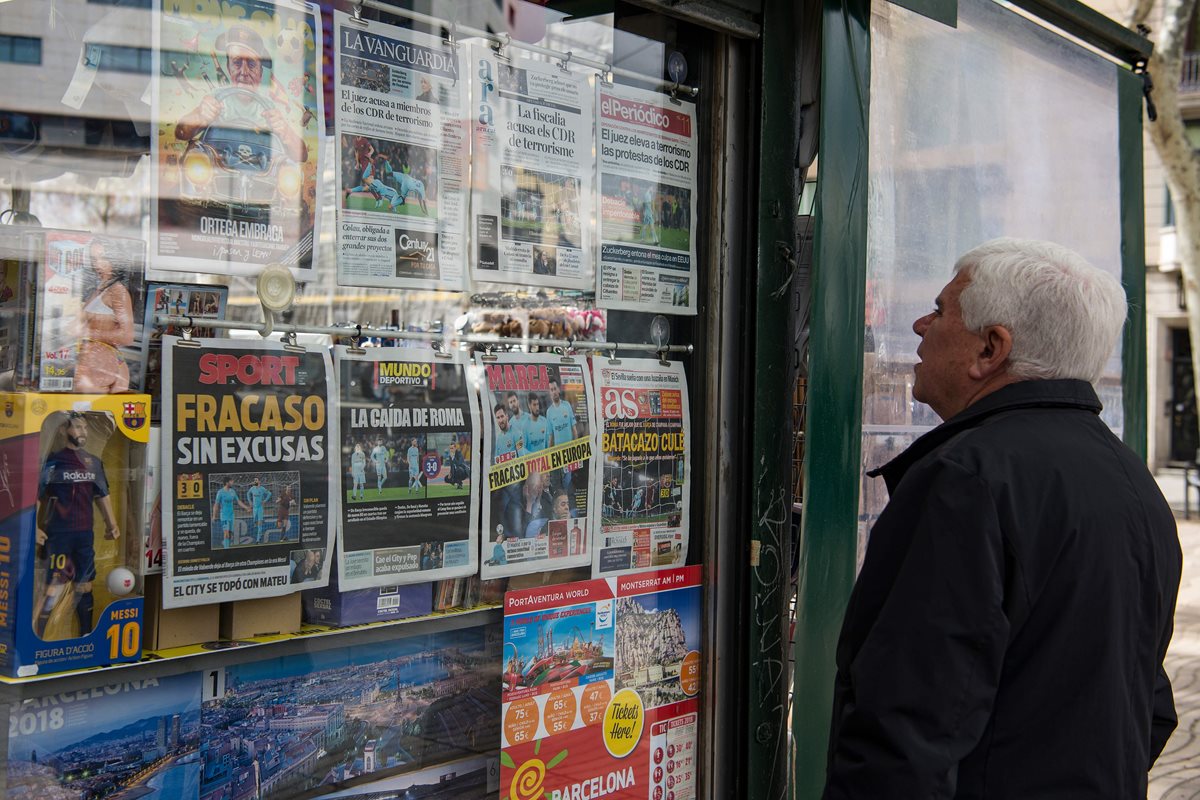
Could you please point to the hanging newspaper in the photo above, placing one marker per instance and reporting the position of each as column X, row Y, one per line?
column 538, row 442
column 236, row 147
column 601, row 689
column 409, row 512
column 402, row 157
column 644, row 479
column 647, row 164
column 246, row 470
column 533, row 184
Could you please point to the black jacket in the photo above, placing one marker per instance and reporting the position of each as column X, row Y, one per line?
column 1006, row 634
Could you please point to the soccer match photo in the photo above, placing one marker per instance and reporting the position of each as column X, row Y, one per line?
column 366, row 75
column 639, row 211
column 254, row 508
column 385, row 177
column 642, row 493
column 408, row 466
column 539, row 207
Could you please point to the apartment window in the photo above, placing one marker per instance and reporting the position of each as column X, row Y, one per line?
column 20, row 49
column 118, row 58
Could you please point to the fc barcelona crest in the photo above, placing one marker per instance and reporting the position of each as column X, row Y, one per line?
column 134, row 415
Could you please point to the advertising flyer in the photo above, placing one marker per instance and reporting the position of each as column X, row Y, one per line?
column 647, row 166
column 601, row 688
column 133, row 739
column 322, row 722
column 89, row 297
column 236, row 143
column 402, row 157
column 409, row 428
column 645, row 432
column 539, row 506
column 534, row 172
column 247, row 470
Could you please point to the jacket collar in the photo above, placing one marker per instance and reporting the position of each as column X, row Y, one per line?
column 1075, row 394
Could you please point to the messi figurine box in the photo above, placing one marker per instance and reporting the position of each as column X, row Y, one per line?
column 70, row 529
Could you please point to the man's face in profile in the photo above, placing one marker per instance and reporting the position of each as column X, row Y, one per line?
column 245, row 67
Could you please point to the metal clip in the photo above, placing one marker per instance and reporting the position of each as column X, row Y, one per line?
column 612, row 356
column 562, row 64
column 674, row 93
column 499, row 47
column 567, row 353
column 356, row 14
column 451, row 40
column 439, row 349
column 488, row 355
column 356, row 348
column 662, row 357
column 290, row 344
column 606, row 77
column 186, row 339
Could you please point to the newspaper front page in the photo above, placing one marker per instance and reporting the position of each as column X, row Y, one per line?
column 534, row 173
column 643, row 478
column 408, row 505
column 247, row 470
column 647, row 163
column 539, row 508
column 401, row 157
column 239, row 117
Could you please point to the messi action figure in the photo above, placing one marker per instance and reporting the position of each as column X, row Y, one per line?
column 72, row 480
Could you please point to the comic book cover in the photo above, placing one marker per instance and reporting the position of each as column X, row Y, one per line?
column 90, row 291
column 539, row 506
column 409, row 428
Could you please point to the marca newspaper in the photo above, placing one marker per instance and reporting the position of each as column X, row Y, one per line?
column 647, row 165
column 534, row 172
column 644, row 472
column 402, row 157
column 236, row 145
column 539, row 437
column 247, row 470
column 408, row 506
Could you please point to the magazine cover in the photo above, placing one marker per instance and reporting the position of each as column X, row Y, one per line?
column 601, row 688
column 178, row 299
column 644, row 479
column 247, row 470
column 534, row 165
column 409, row 428
column 236, row 146
column 539, row 508
column 322, row 722
column 402, row 157
column 133, row 739
column 90, row 291
column 647, row 165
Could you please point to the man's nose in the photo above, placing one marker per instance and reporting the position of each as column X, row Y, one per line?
column 921, row 324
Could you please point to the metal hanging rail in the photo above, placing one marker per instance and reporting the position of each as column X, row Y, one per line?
column 364, row 332
column 502, row 41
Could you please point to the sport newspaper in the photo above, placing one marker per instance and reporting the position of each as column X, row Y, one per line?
column 402, row 157
column 539, row 438
column 643, row 476
column 247, row 470
column 533, row 172
column 408, row 453
column 238, row 137
column 647, row 164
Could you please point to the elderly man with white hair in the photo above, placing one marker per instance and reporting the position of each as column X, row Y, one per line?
column 1005, row 637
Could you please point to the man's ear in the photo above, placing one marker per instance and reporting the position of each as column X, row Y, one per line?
column 992, row 356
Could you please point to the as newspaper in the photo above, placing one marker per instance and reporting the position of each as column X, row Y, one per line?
column 538, row 443
column 409, row 436
column 239, row 117
column 247, row 470
column 644, row 474
column 647, row 164
column 401, row 157
column 534, row 172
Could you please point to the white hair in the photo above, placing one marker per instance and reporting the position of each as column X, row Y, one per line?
column 1064, row 314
